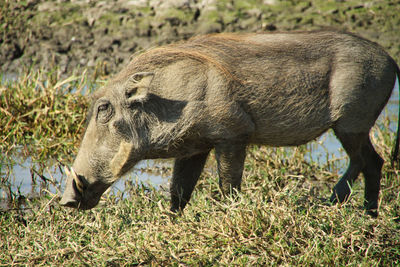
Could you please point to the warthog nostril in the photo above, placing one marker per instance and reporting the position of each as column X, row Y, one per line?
column 72, row 203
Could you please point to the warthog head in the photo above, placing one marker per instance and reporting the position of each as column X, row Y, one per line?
column 116, row 132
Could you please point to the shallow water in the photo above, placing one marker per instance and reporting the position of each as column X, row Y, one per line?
column 23, row 178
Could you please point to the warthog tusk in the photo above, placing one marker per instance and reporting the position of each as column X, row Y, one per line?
column 78, row 182
column 67, row 172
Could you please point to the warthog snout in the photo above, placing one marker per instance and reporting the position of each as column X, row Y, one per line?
column 76, row 192
column 73, row 191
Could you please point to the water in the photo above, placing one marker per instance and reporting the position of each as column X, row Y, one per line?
column 23, row 178
column 26, row 179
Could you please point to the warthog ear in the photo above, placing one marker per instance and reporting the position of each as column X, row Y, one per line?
column 118, row 163
column 137, row 86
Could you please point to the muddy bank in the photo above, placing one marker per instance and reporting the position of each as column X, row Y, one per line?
column 76, row 34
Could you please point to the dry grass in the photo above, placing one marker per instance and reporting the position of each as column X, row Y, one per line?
column 42, row 114
column 281, row 217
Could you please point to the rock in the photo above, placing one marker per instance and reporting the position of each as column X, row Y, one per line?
column 47, row 7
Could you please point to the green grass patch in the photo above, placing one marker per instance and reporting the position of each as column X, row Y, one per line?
column 259, row 227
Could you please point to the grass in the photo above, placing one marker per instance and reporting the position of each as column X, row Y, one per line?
column 43, row 114
column 281, row 217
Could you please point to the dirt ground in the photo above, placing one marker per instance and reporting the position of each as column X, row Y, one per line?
column 77, row 34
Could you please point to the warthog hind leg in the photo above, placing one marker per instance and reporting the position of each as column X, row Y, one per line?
column 372, row 175
column 363, row 158
column 352, row 143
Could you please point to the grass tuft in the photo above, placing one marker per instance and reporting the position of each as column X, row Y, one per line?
column 42, row 114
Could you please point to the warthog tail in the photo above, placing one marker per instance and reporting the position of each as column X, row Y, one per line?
column 395, row 151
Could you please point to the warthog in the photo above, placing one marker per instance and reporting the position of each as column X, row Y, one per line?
column 225, row 91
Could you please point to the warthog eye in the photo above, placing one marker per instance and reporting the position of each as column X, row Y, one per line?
column 103, row 107
column 131, row 92
column 104, row 111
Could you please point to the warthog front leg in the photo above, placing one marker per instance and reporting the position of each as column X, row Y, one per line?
column 230, row 160
column 185, row 175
